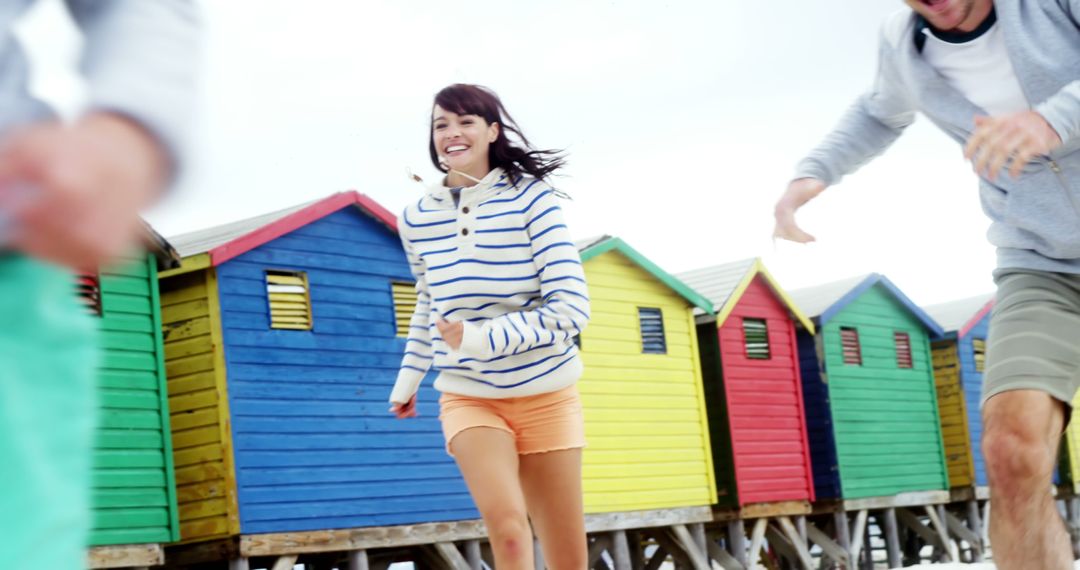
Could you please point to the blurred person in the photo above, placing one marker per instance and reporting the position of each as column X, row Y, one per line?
column 501, row 296
column 70, row 194
column 1003, row 80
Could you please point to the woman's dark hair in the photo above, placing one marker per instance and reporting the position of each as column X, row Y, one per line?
column 464, row 99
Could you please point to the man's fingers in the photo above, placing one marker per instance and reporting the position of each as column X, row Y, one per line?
column 1019, row 162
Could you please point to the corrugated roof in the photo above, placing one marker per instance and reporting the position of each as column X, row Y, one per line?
column 953, row 315
column 717, row 282
column 202, row 241
column 814, row 301
column 583, row 244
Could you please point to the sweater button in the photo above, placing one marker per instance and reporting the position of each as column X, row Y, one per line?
column 465, row 231
column 465, row 210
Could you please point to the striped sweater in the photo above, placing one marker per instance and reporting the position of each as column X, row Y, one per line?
column 501, row 262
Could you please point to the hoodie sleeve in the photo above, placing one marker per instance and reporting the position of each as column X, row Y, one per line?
column 141, row 60
column 564, row 309
column 1062, row 110
column 871, row 124
column 418, row 356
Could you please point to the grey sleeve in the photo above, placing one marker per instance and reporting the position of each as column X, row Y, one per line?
column 141, row 60
column 870, row 125
column 1062, row 111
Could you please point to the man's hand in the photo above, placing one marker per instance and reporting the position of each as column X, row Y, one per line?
column 72, row 193
column 799, row 192
column 451, row 332
column 406, row 410
column 1018, row 136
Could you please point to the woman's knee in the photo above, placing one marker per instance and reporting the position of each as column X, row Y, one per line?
column 509, row 530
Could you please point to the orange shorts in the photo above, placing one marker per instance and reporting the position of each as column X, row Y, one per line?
column 540, row 423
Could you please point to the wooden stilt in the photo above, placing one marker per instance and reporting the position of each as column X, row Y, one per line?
column 596, row 550
column 449, row 556
column 792, row 533
column 975, row 523
column 538, row 555
column 843, row 533
column 658, row 558
column 736, row 541
column 858, row 534
column 473, row 555
column 285, row 562
column 757, row 538
column 723, row 557
column 620, row 550
column 358, row 560
column 682, row 537
column 637, row 553
column 830, row 549
column 937, row 520
column 958, row 529
column 698, row 532
column 892, row 539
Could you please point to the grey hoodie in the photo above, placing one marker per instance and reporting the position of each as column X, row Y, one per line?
column 1035, row 217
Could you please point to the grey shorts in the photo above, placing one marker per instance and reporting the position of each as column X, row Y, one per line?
column 1034, row 341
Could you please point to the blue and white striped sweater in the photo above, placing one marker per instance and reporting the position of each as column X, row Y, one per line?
column 502, row 262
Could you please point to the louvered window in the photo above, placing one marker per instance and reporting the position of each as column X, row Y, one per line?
column 290, row 300
column 849, row 342
column 652, row 331
column 756, row 335
column 979, row 345
column 903, row 350
column 88, row 290
column 405, row 299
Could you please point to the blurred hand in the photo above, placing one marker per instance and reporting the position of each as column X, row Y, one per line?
column 799, row 192
column 451, row 332
column 73, row 192
column 406, row 410
column 1018, row 136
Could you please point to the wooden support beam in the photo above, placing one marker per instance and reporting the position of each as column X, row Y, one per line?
column 841, row 530
column 943, row 532
column 781, row 543
column 538, row 555
column 698, row 559
column 958, row 529
column 892, row 539
column 658, row 558
column 285, row 562
column 830, row 548
column 358, row 560
column 620, row 550
column 637, row 551
column 724, row 558
column 975, row 523
column 449, row 555
column 473, row 555
column 697, row 530
column 125, row 556
column 797, row 540
column 912, row 522
column 757, row 539
column 596, row 549
column 736, row 541
column 857, row 534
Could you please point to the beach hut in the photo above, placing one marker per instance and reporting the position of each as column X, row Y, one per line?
column 959, row 357
column 134, row 494
column 752, row 385
column 868, row 387
column 283, row 337
column 648, row 442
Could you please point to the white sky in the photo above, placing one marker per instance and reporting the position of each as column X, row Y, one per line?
column 683, row 122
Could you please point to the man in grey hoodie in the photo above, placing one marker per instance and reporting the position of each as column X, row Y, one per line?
column 1003, row 80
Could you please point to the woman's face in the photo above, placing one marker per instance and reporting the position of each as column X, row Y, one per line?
column 462, row 141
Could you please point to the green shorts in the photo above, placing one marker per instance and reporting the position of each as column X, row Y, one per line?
column 1034, row 341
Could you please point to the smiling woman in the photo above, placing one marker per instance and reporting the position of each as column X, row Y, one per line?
column 501, row 296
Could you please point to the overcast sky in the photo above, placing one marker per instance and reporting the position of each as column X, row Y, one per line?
column 683, row 122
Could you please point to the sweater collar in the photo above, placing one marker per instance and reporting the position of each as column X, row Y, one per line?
column 494, row 182
column 922, row 27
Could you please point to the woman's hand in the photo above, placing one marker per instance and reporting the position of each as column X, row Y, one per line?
column 406, row 410
column 451, row 333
